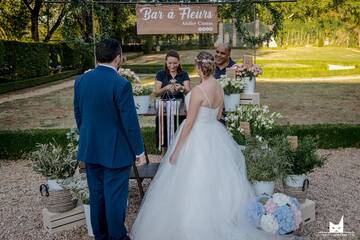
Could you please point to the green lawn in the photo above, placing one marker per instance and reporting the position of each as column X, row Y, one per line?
column 304, row 62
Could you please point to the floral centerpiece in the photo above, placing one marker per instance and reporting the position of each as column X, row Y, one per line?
column 248, row 73
column 142, row 97
column 232, row 88
column 231, row 85
column 276, row 214
column 259, row 118
column 129, row 75
column 252, row 70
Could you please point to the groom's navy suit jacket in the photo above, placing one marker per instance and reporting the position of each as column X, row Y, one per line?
column 106, row 117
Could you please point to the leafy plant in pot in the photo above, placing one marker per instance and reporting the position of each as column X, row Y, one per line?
column 54, row 162
column 265, row 163
column 304, row 160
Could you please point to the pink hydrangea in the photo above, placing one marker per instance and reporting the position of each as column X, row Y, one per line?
column 270, row 206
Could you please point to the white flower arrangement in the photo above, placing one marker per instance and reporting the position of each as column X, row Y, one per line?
column 129, row 75
column 259, row 118
column 281, row 199
column 231, row 85
column 78, row 187
column 269, row 224
column 141, row 90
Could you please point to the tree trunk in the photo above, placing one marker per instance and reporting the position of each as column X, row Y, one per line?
column 56, row 25
column 34, row 18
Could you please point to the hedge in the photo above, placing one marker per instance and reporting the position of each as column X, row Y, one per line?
column 328, row 135
column 11, row 86
column 25, row 60
column 154, row 68
column 14, row 143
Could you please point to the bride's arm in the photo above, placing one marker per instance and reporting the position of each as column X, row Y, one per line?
column 194, row 105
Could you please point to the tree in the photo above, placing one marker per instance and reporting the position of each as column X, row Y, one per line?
column 14, row 20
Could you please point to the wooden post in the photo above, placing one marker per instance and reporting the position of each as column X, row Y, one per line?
column 246, row 127
column 293, row 141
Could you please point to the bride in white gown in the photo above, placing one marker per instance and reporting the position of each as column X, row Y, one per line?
column 200, row 191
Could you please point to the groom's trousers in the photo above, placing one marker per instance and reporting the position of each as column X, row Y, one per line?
column 108, row 201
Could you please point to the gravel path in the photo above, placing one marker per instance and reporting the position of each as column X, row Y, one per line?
column 334, row 188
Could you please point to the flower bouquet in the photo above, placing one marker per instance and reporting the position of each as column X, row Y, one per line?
column 252, row 70
column 276, row 214
column 248, row 73
column 231, row 85
column 129, row 75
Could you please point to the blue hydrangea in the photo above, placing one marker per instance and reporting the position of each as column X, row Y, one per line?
column 256, row 211
column 294, row 202
column 285, row 218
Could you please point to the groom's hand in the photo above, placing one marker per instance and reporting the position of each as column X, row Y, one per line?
column 141, row 160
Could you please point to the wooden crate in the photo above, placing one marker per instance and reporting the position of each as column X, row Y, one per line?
column 55, row 222
column 252, row 98
column 307, row 209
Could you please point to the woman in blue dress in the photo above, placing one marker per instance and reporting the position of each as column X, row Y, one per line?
column 171, row 83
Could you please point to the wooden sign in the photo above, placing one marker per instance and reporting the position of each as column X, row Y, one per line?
column 293, row 141
column 248, row 60
column 176, row 19
column 246, row 127
column 230, row 72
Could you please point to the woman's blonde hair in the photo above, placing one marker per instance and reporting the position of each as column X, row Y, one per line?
column 206, row 62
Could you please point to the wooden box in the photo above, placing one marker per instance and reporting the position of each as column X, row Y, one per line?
column 307, row 209
column 55, row 222
column 250, row 98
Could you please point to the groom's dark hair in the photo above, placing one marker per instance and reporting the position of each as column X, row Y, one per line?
column 107, row 50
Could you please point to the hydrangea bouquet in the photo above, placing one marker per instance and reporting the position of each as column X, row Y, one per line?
column 277, row 214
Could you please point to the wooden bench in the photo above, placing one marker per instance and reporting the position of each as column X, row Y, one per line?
column 148, row 170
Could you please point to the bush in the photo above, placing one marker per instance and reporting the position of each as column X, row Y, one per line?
column 154, row 68
column 14, row 144
column 24, row 60
column 11, row 86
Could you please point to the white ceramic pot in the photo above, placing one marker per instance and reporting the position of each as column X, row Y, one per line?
column 142, row 104
column 295, row 180
column 263, row 187
column 88, row 219
column 53, row 185
column 231, row 102
column 249, row 85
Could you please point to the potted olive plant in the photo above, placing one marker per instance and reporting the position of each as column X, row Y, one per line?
column 56, row 163
column 265, row 163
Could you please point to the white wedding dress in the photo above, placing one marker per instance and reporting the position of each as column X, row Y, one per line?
column 204, row 196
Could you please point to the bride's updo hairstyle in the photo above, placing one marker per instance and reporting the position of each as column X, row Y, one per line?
column 206, row 62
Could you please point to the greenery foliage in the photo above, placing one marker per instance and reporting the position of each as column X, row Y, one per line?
column 304, row 159
column 53, row 161
column 265, row 161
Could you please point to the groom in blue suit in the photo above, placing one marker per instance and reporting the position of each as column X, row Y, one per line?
column 110, row 139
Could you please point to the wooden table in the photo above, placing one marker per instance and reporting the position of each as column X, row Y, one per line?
column 148, row 170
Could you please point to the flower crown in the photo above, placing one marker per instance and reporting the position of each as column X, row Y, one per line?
column 205, row 60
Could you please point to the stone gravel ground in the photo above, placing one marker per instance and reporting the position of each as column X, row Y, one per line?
column 334, row 188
